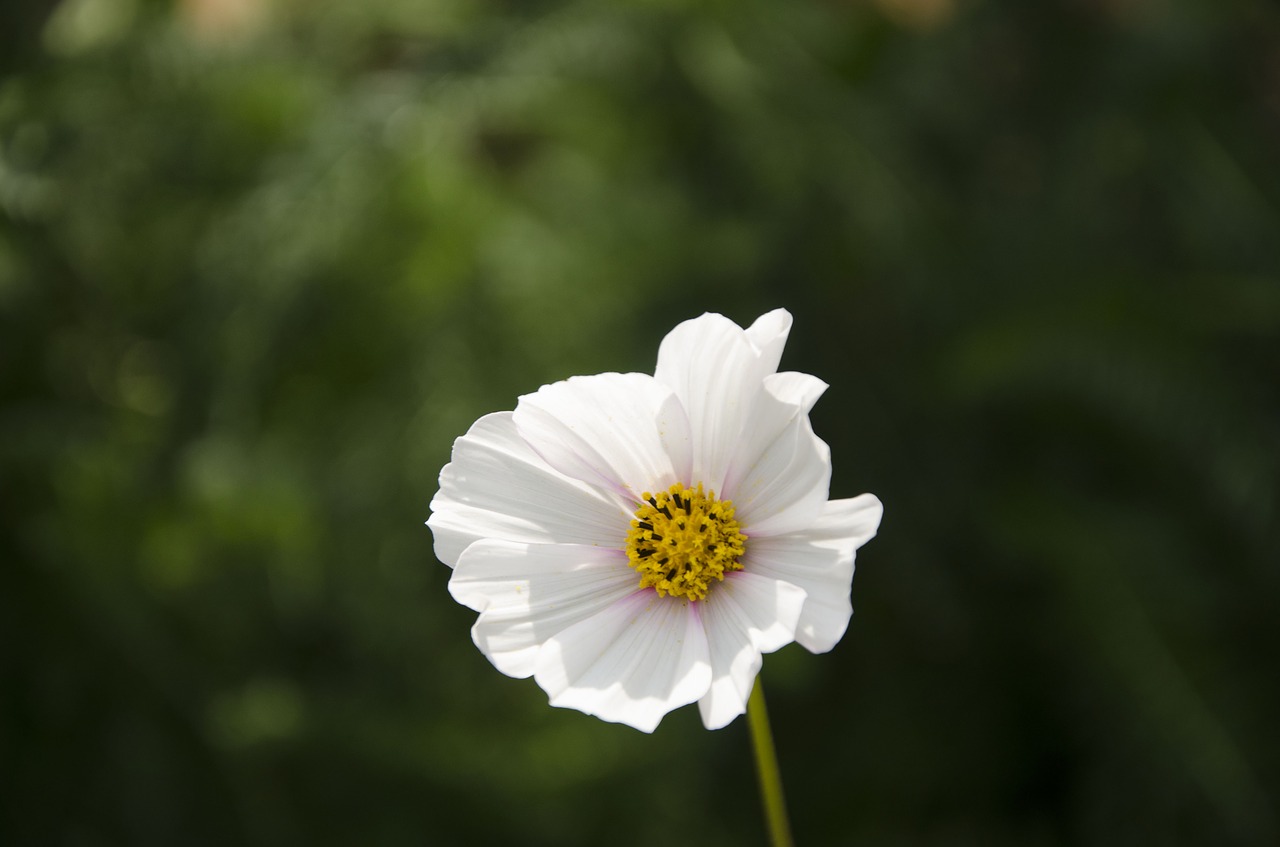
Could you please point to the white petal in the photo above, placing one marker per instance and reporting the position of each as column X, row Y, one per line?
column 716, row 372
column 768, row 335
column 527, row 593
column 744, row 616
column 801, row 390
column 631, row 663
column 625, row 432
column 781, row 475
column 819, row 559
column 787, row 396
column 497, row 487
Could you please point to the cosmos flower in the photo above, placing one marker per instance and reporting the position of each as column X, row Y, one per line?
column 636, row 543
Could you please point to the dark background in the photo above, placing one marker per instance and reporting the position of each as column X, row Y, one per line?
column 262, row 260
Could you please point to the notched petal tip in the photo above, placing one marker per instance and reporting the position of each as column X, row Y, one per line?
column 533, row 503
column 861, row 519
column 796, row 389
column 768, row 336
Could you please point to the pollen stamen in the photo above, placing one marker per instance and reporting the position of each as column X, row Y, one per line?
column 682, row 539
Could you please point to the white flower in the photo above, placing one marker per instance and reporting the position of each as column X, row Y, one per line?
column 636, row 542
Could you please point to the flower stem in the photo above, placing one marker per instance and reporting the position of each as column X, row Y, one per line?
column 775, row 805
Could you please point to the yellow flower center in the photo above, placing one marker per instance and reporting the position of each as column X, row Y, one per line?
column 681, row 539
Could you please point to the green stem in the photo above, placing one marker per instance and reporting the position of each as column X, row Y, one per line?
column 775, row 805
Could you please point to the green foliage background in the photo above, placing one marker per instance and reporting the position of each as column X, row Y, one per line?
column 260, row 263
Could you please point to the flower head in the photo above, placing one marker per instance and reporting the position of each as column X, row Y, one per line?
column 635, row 543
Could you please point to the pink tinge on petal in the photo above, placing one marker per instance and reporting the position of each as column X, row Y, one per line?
column 496, row 486
column 630, row 663
column 534, row 508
